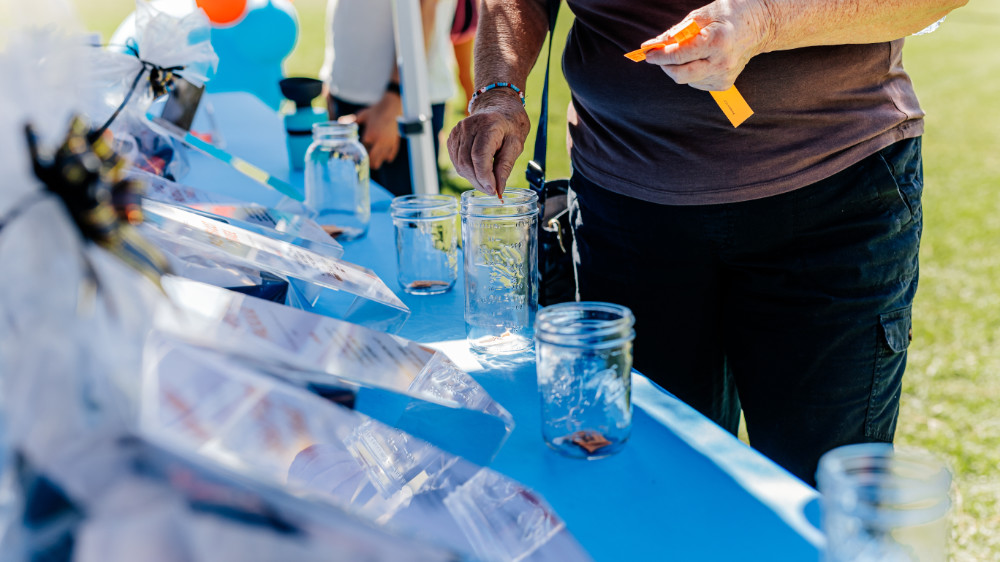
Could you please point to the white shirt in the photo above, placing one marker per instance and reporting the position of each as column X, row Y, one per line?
column 361, row 51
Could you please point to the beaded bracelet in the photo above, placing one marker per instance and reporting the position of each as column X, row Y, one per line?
column 484, row 89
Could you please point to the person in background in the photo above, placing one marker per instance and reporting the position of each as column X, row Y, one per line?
column 771, row 266
column 463, row 39
column 362, row 80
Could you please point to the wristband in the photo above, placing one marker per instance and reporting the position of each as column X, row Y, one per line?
column 394, row 88
column 488, row 87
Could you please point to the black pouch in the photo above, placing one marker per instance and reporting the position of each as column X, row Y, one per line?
column 556, row 278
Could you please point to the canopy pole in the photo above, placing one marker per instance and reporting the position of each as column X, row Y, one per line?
column 415, row 124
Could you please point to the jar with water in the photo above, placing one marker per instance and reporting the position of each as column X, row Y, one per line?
column 583, row 356
column 336, row 179
column 426, row 228
column 884, row 504
column 500, row 238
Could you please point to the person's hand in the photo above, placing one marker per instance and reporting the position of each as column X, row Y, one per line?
column 381, row 131
column 484, row 145
column 732, row 32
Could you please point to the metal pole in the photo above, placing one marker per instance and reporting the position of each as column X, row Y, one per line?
column 415, row 124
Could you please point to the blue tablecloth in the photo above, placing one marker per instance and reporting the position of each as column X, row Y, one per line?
column 682, row 489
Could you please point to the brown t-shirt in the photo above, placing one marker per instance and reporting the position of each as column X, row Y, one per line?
column 634, row 131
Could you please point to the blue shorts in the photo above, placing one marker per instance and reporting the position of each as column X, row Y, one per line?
column 795, row 307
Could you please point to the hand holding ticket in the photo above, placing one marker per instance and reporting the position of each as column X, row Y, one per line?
column 730, row 101
column 686, row 32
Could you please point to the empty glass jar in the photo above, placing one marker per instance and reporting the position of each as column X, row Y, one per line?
column 501, row 269
column 882, row 504
column 426, row 242
column 584, row 362
column 336, row 178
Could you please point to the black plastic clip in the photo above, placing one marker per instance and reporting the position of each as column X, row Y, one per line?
column 413, row 126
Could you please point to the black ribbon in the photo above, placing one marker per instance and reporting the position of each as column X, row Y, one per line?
column 88, row 176
column 161, row 81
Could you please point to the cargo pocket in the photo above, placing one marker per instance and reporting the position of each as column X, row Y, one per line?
column 904, row 166
column 887, row 382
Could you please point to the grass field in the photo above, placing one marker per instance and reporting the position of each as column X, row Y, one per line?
column 952, row 386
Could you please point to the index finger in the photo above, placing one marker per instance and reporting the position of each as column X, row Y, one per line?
column 460, row 150
column 484, row 150
column 675, row 54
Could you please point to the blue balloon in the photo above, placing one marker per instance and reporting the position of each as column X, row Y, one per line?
column 252, row 51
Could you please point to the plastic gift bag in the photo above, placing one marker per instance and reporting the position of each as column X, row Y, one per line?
column 170, row 505
column 356, row 294
column 167, row 191
column 397, row 381
column 232, row 413
column 73, row 318
column 131, row 75
column 288, row 220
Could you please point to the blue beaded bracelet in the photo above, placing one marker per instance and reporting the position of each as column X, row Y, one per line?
column 488, row 87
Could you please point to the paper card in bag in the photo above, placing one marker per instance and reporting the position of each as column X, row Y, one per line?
column 355, row 284
column 402, row 383
column 286, row 436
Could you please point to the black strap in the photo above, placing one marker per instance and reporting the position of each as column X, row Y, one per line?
column 535, row 173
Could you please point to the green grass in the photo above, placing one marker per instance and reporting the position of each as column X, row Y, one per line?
column 952, row 387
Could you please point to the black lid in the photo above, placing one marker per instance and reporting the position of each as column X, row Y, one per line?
column 301, row 90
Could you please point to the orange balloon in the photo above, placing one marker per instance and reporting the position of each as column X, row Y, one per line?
column 223, row 12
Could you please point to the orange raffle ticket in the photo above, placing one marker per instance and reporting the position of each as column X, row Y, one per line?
column 731, row 102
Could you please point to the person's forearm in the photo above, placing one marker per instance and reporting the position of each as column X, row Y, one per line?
column 509, row 38
column 791, row 24
column 428, row 17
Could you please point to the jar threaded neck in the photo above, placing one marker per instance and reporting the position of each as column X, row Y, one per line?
column 334, row 130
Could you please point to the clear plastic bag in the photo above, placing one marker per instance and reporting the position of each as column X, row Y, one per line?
column 354, row 293
column 930, row 28
column 233, row 414
column 127, row 77
column 397, row 381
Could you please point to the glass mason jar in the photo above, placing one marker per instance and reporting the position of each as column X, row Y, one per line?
column 501, row 269
column 426, row 242
column 336, row 177
column 583, row 356
column 881, row 504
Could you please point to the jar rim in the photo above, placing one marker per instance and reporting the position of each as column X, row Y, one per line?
column 424, row 202
column 585, row 324
column 517, row 201
column 334, row 127
column 906, row 476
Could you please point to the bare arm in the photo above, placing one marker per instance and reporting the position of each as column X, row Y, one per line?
column 428, row 15
column 510, row 36
column 794, row 23
column 484, row 146
column 734, row 31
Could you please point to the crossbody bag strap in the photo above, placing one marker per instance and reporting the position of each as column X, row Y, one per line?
column 535, row 173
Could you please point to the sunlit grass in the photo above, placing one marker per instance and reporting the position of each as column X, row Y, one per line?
column 952, row 385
